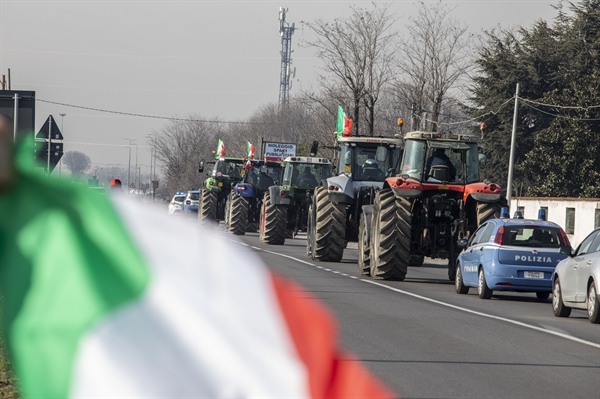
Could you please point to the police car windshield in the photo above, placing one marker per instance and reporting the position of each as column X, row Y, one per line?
column 194, row 196
column 179, row 198
column 533, row 236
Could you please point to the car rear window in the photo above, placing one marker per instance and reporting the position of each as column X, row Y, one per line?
column 534, row 236
column 179, row 198
column 194, row 196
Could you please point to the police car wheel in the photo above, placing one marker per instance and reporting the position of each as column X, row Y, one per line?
column 459, row 284
column 482, row 287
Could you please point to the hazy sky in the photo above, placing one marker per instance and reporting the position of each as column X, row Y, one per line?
column 176, row 58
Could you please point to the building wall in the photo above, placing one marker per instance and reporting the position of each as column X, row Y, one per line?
column 587, row 213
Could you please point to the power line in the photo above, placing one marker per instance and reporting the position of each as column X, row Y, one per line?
column 562, row 116
column 152, row 116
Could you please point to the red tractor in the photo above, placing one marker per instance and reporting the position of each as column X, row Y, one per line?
column 437, row 200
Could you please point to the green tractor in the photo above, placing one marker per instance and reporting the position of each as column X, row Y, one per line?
column 226, row 172
column 284, row 209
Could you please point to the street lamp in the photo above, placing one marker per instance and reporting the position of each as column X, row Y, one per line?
column 129, row 163
column 62, row 129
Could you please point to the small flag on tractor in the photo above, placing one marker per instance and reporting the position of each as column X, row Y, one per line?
column 220, row 149
column 344, row 124
column 250, row 150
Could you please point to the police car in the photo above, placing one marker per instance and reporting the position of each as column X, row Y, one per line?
column 176, row 204
column 511, row 255
column 191, row 201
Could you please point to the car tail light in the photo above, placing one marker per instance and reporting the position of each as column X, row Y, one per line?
column 499, row 239
column 188, row 202
column 565, row 239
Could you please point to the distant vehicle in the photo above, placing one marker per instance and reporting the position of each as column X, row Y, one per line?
column 176, row 204
column 576, row 280
column 511, row 255
column 191, row 201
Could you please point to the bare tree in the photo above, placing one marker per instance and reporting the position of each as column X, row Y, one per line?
column 436, row 55
column 180, row 146
column 77, row 162
column 358, row 53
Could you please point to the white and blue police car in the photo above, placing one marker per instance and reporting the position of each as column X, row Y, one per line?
column 512, row 255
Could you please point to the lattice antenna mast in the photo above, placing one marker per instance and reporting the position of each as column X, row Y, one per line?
column 287, row 73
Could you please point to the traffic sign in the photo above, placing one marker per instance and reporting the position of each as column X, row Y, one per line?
column 41, row 153
column 49, row 128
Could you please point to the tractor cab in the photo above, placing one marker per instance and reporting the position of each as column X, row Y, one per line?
column 435, row 157
column 368, row 159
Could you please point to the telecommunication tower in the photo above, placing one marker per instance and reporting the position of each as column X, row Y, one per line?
column 285, row 31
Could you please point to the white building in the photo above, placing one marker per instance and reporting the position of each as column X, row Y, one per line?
column 577, row 216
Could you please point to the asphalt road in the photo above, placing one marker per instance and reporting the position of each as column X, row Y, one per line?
column 426, row 341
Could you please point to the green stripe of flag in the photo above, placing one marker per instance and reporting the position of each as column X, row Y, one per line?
column 66, row 261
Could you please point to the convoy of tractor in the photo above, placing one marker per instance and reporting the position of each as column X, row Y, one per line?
column 400, row 198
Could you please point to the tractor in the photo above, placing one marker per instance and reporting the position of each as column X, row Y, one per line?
column 363, row 165
column 225, row 173
column 284, row 210
column 430, row 208
column 244, row 202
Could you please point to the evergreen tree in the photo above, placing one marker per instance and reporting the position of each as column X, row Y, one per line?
column 558, row 65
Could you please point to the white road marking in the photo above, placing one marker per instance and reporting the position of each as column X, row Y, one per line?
column 504, row 319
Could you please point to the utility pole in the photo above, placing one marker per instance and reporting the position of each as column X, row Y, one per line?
column 136, row 180
column 511, row 160
column 285, row 31
column 129, row 163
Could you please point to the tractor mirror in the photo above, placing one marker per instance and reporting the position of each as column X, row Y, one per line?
column 482, row 158
column 381, row 154
column 314, row 148
column 201, row 167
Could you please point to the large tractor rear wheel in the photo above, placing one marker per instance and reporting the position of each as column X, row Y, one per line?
column 236, row 214
column 273, row 222
column 390, row 236
column 329, row 228
column 208, row 206
column 364, row 265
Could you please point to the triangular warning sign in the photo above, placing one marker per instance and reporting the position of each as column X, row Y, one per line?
column 49, row 127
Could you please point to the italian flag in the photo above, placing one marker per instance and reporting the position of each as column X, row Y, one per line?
column 344, row 124
column 250, row 150
column 103, row 297
column 220, row 149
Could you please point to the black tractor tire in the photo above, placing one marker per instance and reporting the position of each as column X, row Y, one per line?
column 416, row 260
column 452, row 264
column 364, row 250
column 207, row 211
column 273, row 222
column 310, row 231
column 390, row 236
column 237, row 210
column 329, row 228
column 487, row 211
column 227, row 213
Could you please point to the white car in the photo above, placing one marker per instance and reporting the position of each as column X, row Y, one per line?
column 176, row 204
column 576, row 280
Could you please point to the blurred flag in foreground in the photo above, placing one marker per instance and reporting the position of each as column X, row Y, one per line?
column 103, row 298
